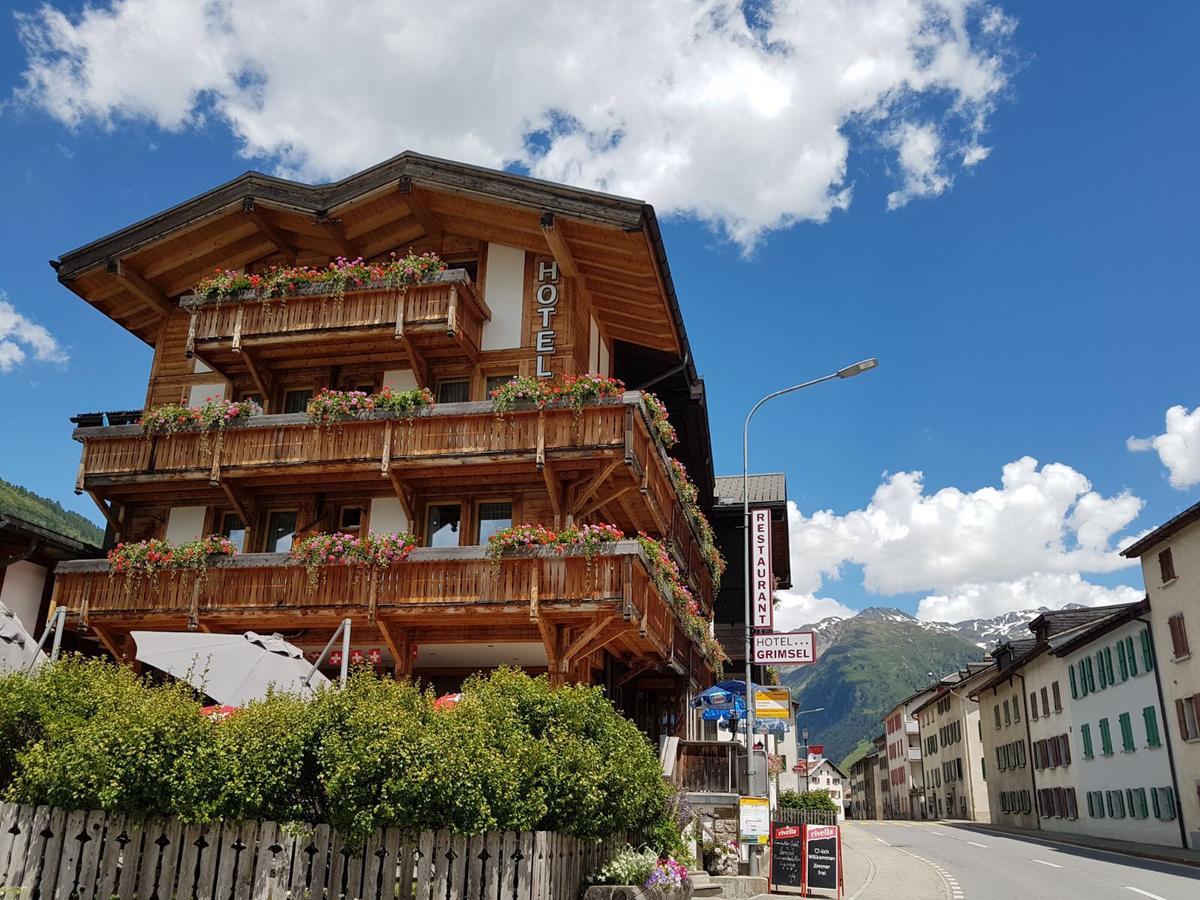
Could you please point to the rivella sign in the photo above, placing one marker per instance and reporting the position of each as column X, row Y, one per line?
column 797, row 648
column 762, row 579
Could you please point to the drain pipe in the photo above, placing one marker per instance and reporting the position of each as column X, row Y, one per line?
column 1162, row 705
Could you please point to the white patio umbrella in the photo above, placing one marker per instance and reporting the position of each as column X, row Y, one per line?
column 17, row 646
column 233, row 669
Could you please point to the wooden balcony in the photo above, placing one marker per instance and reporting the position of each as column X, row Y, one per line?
column 443, row 318
column 600, row 464
column 575, row 605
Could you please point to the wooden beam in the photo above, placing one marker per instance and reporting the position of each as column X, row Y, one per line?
column 145, row 291
column 107, row 512
column 418, row 363
column 636, row 671
column 273, row 234
column 558, row 246
column 109, row 642
column 236, row 502
column 404, row 495
column 333, row 227
column 592, row 486
column 420, row 210
column 606, row 500
column 263, row 380
column 581, row 643
column 554, row 488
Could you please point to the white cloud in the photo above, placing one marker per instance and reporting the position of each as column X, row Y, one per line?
column 19, row 337
column 794, row 609
column 979, row 601
column 984, row 549
column 1178, row 447
column 745, row 125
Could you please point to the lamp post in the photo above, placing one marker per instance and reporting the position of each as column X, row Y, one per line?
column 848, row 372
column 804, row 737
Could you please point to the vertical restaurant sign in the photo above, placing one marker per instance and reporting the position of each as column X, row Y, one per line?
column 762, row 584
column 546, row 308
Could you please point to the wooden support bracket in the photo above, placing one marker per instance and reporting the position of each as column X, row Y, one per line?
column 637, row 670
column 604, row 501
column 558, row 246
column 270, row 232
column 240, row 504
column 554, row 487
column 406, row 497
column 541, row 440
column 420, row 210
column 189, row 347
column 150, row 295
column 110, row 642
column 109, row 514
column 581, row 646
column 592, row 486
column 261, row 375
column 333, row 227
column 214, row 474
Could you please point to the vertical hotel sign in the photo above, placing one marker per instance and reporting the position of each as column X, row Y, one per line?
column 762, row 584
column 546, row 295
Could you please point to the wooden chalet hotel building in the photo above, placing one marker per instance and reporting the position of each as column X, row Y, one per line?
column 452, row 474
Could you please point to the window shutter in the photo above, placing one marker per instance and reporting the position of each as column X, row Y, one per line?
column 1108, row 664
column 1156, row 803
column 1151, row 720
column 1033, row 713
column 1065, row 749
column 1182, row 714
column 1147, row 650
column 1071, row 677
column 1085, row 733
column 1122, row 664
column 1091, row 806
column 1057, row 697
column 1100, row 666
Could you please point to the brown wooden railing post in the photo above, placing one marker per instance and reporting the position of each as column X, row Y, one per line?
column 189, row 348
column 452, row 311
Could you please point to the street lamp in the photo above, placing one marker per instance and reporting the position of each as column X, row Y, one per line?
column 804, row 737
column 848, row 372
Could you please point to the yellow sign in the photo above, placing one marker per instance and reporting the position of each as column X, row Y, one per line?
column 773, row 703
column 755, row 820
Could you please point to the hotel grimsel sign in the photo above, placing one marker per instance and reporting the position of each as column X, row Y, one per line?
column 546, row 308
column 762, row 582
column 795, row 648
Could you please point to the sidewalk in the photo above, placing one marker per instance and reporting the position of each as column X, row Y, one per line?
column 1128, row 848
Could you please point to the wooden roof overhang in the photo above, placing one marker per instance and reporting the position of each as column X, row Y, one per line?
column 576, row 606
column 611, row 244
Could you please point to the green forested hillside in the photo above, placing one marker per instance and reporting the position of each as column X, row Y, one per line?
column 866, row 664
column 48, row 513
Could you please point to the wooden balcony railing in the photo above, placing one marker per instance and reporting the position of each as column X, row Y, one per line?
column 447, row 435
column 272, row 591
column 449, row 305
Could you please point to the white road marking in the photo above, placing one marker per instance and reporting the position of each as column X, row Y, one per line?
column 977, row 844
column 1052, row 865
column 1144, row 893
column 882, row 841
column 938, row 833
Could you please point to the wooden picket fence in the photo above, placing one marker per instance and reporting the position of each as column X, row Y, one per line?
column 81, row 855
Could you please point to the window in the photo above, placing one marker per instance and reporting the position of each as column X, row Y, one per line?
column 1188, row 711
column 1091, row 675
column 1126, row 733
column 296, row 401
column 281, row 528
column 1071, row 679
column 1007, row 714
column 1033, row 713
column 1072, row 803
column 1085, row 734
column 1116, row 804
column 1164, row 803
column 1016, row 706
column 1135, row 802
column 1064, row 749
column 350, row 520
column 1131, row 659
column 453, row 390
column 234, row 528
column 1045, row 702
column 1105, row 738
column 1057, row 697
column 1084, row 689
column 996, row 712
column 252, row 396
column 1051, row 752
column 493, row 518
column 1150, row 718
column 1147, row 650
column 1166, row 565
column 1122, row 660
column 496, row 381
column 1179, row 641
column 1103, row 670
column 1108, row 666
column 444, row 521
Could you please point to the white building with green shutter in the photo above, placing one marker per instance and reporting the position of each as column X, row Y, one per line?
column 1121, row 766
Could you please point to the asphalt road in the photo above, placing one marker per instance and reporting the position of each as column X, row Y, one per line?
column 931, row 860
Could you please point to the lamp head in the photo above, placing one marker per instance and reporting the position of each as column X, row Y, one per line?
column 804, row 733
column 858, row 368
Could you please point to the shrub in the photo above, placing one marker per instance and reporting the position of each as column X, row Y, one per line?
column 807, row 800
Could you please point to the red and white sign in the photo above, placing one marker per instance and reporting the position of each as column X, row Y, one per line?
column 762, row 581
column 797, row 648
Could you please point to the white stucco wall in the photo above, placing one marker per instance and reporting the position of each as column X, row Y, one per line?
column 387, row 516
column 400, row 380
column 184, row 523
column 22, row 591
column 1043, row 672
column 504, row 292
column 1180, row 677
column 1144, row 767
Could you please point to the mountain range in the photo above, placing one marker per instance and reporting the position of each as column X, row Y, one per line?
column 868, row 662
column 38, row 510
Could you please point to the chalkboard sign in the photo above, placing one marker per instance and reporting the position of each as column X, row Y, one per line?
column 787, row 856
column 822, row 868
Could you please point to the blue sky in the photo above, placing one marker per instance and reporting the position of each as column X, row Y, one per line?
column 1041, row 303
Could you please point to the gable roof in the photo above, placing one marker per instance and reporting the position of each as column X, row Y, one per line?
column 1162, row 532
column 134, row 274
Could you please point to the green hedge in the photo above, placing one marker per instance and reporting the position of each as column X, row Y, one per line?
column 807, row 800
column 515, row 754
